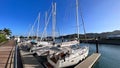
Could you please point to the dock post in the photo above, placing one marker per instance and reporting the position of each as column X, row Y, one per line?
column 97, row 51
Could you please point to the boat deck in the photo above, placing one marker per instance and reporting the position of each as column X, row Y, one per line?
column 48, row 65
column 89, row 62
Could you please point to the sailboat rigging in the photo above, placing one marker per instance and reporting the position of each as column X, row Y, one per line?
column 69, row 55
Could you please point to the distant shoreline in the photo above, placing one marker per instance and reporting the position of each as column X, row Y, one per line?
column 103, row 41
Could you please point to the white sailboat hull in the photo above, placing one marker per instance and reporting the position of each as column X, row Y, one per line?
column 73, row 59
column 68, row 43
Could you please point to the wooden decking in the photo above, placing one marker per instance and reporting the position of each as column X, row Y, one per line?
column 89, row 62
column 7, row 54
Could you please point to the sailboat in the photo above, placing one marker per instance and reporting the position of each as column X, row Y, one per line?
column 69, row 54
column 41, row 46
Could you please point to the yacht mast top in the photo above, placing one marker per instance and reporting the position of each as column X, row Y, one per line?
column 77, row 19
column 53, row 20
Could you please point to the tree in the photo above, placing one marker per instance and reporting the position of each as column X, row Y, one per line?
column 21, row 36
column 13, row 37
column 2, row 38
column 0, row 31
column 7, row 31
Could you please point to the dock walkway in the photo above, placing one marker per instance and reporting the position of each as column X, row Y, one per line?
column 7, row 54
column 29, row 61
column 89, row 62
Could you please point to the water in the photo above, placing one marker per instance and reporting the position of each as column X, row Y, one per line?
column 110, row 55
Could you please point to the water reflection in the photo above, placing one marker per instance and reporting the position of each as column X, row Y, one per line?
column 110, row 55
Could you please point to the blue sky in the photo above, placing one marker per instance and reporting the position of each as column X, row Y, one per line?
column 99, row 15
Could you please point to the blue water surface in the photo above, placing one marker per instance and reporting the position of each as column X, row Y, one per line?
column 110, row 55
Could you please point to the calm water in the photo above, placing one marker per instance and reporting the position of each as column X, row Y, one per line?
column 110, row 55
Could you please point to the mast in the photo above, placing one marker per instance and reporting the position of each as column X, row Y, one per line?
column 28, row 32
column 38, row 26
column 77, row 20
column 49, row 16
column 32, row 27
column 53, row 20
column 46, row 23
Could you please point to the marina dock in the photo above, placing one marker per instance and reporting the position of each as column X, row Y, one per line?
column 29, row 61
column 7, row 51
column 89, row 62
column 7, row 54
